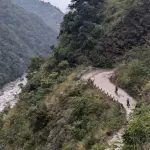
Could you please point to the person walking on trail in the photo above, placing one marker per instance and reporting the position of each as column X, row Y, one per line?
column 116, row 90
column 128, row 102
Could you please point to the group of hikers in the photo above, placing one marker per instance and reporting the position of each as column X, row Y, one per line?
column 128, row 101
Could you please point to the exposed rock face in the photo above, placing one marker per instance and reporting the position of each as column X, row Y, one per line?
column 49, row 13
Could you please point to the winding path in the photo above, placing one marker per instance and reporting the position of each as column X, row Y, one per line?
column 101, row 80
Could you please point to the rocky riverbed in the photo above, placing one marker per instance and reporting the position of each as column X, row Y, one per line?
column 10, row 92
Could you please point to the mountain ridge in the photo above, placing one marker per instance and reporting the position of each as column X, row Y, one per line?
column 51, row 15
column 23, row 34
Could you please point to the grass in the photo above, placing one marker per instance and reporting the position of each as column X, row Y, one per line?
column 134, row 74
column 67, row 115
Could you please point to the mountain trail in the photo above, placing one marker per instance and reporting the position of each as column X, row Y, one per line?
column 101, row 79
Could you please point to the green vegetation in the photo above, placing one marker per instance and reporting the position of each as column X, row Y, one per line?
column 99, row 32
column 58, row 112
column 137, row 136
column 134, row 76
column 51, row 15
column 103, row 33
column 22, row 34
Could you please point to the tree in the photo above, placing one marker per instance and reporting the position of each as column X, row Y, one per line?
column 77, row 38
column 35, row 63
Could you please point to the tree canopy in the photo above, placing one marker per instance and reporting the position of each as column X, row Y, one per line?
column 103, row 31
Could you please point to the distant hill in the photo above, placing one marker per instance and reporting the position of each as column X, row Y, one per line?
column 22, row 34
column 49, row 13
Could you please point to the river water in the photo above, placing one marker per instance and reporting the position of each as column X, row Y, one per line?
column 9, row 94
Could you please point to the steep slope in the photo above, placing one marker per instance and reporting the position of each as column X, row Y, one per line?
column 104, row 30
column 49, row 13
column 22, row 34
column 57, row 112
column 134, row 76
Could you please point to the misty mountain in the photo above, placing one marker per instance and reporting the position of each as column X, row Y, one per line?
column 22, row 34
column 49, row 13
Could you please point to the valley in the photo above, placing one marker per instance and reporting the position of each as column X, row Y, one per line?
column 71, row 97
column 51, row 15
column 23, row 35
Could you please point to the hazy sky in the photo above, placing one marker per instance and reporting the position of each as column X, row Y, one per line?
column 62, row 4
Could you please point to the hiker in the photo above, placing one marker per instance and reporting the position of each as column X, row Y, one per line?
column 128, row 102
column 116, row 90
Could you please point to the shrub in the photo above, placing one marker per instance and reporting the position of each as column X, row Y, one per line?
column 63, row 64
column 36, row 62
column 137, row 134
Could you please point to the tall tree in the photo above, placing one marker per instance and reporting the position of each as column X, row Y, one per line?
column 76, row 36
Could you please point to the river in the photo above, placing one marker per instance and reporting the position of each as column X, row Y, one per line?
column 9, row 94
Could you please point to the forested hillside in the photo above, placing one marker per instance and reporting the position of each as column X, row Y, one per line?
column 22, row 34
column 102, row 31
column 51, row 15
column 134, row 76
column 57, row 111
